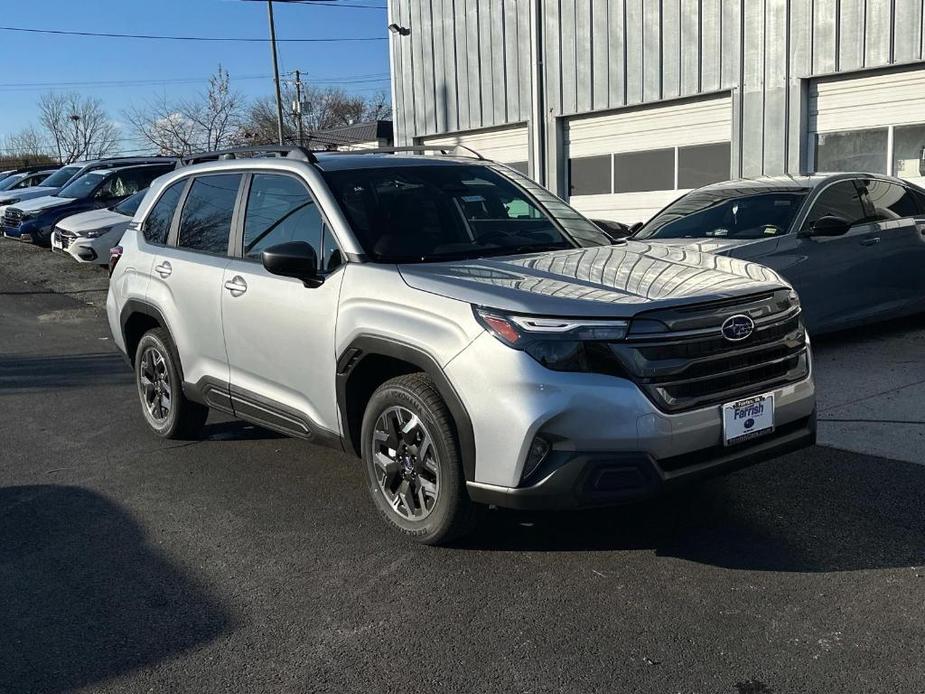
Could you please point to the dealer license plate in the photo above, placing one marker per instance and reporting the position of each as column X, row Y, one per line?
column 748, row 419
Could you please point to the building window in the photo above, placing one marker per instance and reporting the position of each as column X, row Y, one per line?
column 589, row 175
column 909, row 151
column 637, row 172
column 857, row 150
column 701, row 165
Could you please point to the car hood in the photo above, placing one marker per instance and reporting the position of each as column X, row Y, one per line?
column 604, row 281
column 26, row 193
column 92, row 220
column 736, row 248
column 41, row 204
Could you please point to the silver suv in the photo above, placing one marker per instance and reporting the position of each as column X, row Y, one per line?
column 467, row 334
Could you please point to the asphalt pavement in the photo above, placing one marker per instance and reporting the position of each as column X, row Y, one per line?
column 248, row 562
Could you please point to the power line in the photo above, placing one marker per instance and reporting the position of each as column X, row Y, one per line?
column 158, row 37
column 325, row 3
column 346, row 79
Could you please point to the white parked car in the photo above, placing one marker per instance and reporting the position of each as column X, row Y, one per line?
column 88, row 236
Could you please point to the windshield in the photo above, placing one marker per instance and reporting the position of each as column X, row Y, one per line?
column 11, row 181
column 129, row 206
column 734, row 214
column 61, row 176
column 432, row 213
column 84, row 186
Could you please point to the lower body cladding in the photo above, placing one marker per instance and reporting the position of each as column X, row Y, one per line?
column 598, row 439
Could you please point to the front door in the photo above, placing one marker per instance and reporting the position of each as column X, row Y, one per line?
column 279, row 333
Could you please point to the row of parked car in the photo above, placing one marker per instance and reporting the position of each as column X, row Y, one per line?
column 81, row 208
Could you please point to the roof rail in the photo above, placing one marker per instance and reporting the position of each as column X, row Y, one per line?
column 421, row 149
column 288, row 151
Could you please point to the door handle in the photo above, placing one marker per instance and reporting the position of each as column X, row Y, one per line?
column 871, row 241
column 164, row 269
column 236, row 285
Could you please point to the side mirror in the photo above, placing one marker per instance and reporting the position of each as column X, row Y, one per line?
column 829, row 226
column 635, row 227
column 293, row 259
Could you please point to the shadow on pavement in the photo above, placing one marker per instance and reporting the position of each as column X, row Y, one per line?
column 236, row 430
column 19, row 372
column 84, row 598
column 828, row 511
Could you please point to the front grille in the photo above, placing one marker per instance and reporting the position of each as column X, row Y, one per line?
column 65, row 237
column 12, row 217
column 689, row 368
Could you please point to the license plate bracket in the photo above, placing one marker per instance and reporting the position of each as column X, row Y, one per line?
column 748, row 419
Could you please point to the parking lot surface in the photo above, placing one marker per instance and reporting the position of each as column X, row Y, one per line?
column 250, row 562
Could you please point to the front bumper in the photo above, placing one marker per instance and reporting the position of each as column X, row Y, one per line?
column 587, row 480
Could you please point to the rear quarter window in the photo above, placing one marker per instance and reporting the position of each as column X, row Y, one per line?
column 157, row 225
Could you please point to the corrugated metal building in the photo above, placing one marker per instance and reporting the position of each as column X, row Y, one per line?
column 621, row 105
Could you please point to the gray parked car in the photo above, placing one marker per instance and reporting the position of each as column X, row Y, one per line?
column 469, row 335
column 851, row 244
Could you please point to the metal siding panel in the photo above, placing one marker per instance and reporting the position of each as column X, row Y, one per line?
column 397, row 72
column 652, row 50
column 428, row 96
column 671, row 48
column 474, row 57
column 690, row 47
column 824, row 36
column 442, row 102
column 710, row 44
column 753, row 90
column 616, row 48
column 450, row 65
column 552, row 63
column 775, row 84
column 731, row 43
column 511, row 63
column 600, row 64
column 485, row 66
column 417, row 38
column 879, row 33
column 634, row 52
column 461, row 62
column 907, row 31
column 800, row 66
column 584, row 59
column 851, row 35
column 524, row 61
column 498, row 67
column 567, row 56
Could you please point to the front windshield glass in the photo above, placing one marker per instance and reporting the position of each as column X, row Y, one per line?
column 11, row 181
column 84, row 186
column 61, row 176
column 732, row 214
column 434, row 212
column 129, row 206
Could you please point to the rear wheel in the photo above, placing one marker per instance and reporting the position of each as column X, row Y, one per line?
column 412, row 461
column 160, row 388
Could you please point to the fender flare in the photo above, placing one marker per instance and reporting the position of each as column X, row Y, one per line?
column 364, row 346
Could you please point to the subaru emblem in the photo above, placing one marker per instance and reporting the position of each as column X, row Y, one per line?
column 737, row 328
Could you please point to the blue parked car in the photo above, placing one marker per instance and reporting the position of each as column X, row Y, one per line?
column 34, row 220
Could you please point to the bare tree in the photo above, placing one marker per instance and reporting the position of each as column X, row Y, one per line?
column 77, row 126
column 210, row 120
column 28, row 145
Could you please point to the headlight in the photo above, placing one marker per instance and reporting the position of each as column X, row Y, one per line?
column 560, row 344
column 96, row 233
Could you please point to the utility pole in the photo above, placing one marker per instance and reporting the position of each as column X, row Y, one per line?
column 279, row 96
column 297, row 105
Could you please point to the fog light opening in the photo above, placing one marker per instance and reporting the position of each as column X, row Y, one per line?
column 539, row 449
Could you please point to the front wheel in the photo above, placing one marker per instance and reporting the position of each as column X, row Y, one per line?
column 412, row 461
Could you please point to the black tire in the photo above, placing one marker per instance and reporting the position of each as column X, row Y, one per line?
column 183, row 418
column 452, row 513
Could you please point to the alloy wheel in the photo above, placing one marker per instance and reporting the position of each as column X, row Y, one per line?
column 405, row 463
column 155, row 384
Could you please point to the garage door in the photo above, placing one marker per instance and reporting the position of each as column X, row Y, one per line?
column 625, row 166
column 508, row 145
column 869, row 123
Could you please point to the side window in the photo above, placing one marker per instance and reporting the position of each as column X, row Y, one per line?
column 157, row 225
column 280, row 209
column 840, row 199
column 890, row 201
column 205, row 222
column 920, row 199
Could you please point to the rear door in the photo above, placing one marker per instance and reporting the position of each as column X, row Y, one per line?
column 837, row 275
column 902, row 244
column 279, row 333
column 186, row 280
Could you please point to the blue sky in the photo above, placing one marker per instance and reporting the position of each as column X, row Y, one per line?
column 36, row 58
